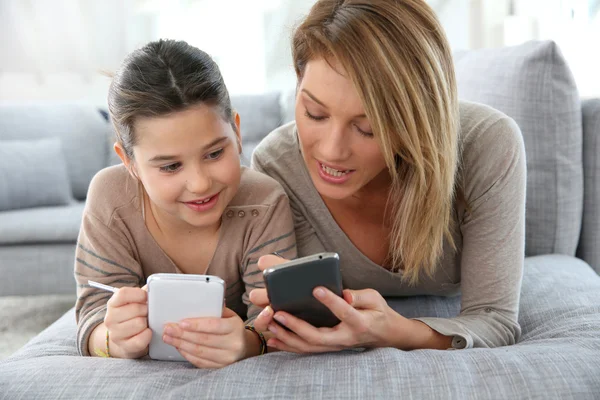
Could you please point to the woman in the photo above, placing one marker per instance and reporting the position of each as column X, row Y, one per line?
column 420, row 195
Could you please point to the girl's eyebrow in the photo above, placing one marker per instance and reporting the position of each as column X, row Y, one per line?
column 174, row 157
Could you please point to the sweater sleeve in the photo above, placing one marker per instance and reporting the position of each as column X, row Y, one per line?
column 102, row 255
column 275, row 233
column 493, row 231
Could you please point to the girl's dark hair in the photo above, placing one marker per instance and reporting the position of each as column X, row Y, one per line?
column 161, row 78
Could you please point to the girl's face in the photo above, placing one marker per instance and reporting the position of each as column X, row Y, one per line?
column 189, row 164
column 342, row 156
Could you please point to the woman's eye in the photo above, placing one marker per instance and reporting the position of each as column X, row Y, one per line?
column 364, row 133
column 314, row 117
column 214, row 155
column 170, row 168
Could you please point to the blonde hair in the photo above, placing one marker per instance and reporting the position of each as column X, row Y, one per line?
column 397, row 56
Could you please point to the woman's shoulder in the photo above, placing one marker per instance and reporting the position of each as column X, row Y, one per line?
column 481, row 125
column 278, row 150
column 111, row 189
column 257, row 189
column 491, row 146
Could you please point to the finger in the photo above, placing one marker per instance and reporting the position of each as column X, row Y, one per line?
column 128, row 329
column 270, row 260
column 215, row 326
column 229, row 313
column 366, row 299
column 259, row 297
column 263, row 319
column 127, row 295
column 174, row 331
column 199, row 362
column 126, row 312
column 137, row 342
column 217, row 355
column 323, row 337
column 338, row 306
column 293, row 342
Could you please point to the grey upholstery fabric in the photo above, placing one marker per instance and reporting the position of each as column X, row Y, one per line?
column 32, row 269
column 33, row 173
column 259, row 115
column 589, row 244
column 558, row 357
column 532, row 84
column 81, row 128
column 41, row 224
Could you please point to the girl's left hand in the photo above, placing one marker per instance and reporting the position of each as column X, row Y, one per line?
column 366, row 321
column 210, row 342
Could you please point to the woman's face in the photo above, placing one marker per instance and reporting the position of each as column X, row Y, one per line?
column 189, row 164
column 342, row 156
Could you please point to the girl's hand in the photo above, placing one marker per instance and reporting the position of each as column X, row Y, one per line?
column 212, row 342
column 127, row 323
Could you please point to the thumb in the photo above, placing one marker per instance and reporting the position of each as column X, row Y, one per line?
column 270, row 260
column 228, row 313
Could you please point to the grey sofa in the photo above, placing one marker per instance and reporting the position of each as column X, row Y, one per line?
column 37, row 243
column 558, row 354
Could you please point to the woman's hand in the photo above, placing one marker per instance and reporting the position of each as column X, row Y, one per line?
column 127, row 323
column 212, row 342
column 366, row 321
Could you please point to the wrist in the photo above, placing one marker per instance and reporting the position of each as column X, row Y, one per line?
column 252, row 344
column 424, row 337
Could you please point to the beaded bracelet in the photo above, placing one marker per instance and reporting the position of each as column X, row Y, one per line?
column 105, row 354
column 263, row 341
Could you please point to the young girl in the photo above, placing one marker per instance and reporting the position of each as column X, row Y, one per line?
column 179, row 203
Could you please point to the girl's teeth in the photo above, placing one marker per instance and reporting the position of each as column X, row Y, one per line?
column 333, row 172
column 204, row 201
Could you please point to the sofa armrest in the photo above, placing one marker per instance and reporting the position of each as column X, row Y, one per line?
column 589, row 241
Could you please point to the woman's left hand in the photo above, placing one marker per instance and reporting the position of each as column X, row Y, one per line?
column 211, row 342
column 366, row 321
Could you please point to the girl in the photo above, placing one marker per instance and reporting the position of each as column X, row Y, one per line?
column 179, row 203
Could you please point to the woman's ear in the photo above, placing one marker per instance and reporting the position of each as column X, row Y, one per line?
column 125, row 159
column 238, row 134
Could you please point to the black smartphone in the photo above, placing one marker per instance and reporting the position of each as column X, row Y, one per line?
column 290, row 287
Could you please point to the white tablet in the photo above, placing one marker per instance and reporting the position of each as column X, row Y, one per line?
column 174, row 297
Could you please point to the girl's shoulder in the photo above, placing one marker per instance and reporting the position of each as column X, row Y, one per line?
column 111, row 190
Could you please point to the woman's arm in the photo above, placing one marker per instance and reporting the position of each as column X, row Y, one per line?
column 493, row 233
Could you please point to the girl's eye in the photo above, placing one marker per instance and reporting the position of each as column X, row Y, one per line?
column 171, row 168
column 366, row 134
column 214, row 155
column 314, row 117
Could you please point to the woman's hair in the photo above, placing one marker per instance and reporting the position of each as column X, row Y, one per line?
column 397, row 56
column 161, row 78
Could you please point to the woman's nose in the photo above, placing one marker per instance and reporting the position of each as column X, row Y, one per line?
column 335, row 144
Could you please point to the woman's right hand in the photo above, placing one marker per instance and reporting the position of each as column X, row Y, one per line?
column 259, row 297
column 127, row 323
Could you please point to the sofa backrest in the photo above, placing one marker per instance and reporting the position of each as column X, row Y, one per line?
column 81, row 129
column 532, row 84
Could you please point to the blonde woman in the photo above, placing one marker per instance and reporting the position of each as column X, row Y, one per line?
column 420, row 195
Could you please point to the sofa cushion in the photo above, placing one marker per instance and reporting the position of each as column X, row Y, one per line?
column 81, row 128
column 41, row 225
column 589, row 248
column 33, row 173
column 557, row 357
column 259, row 115
column 532, row 84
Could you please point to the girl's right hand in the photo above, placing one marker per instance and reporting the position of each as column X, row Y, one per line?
column 127, row 323
column 259, row 297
